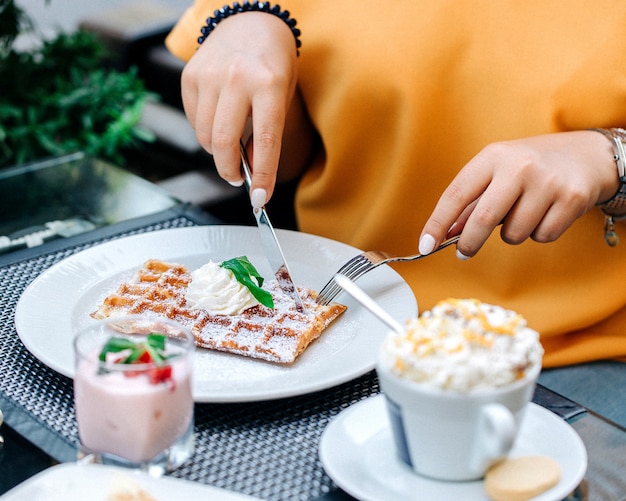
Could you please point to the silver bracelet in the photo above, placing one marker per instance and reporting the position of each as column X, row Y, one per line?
column 617, row 136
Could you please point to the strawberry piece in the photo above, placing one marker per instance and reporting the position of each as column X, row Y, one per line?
column 144, row 358
column 156, row 375
column 160, row 374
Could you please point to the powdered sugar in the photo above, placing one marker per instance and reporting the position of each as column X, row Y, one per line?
column 278, row 335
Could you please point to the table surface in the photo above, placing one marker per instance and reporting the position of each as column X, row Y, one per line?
column 72, row 194
column 34, row 438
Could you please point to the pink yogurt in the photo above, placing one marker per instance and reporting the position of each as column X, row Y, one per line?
column 131, row 417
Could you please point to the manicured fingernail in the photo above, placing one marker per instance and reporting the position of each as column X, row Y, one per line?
column 236, row 184
column 258, row 198
column 461, row 256
column 427, row 244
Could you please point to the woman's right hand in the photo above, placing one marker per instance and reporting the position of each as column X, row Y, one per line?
column 246, row 68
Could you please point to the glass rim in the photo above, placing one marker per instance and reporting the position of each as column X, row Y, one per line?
column 183, row 340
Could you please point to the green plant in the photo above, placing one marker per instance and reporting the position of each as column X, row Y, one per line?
column 60, row 97
column 12, row 21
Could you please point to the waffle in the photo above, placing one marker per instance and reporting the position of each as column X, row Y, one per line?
column 276, row 335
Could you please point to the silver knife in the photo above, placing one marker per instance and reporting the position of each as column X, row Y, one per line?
column 270, row 243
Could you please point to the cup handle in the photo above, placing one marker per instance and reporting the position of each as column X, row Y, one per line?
column 494, row 437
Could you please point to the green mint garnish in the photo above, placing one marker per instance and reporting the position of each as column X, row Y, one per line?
column 154, row 345
column 243, row 270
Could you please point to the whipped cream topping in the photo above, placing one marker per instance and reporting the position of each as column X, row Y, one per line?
column 216, row 290
column 462, row 345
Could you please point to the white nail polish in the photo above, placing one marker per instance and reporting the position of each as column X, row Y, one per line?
column 461, row 256
column 427, row 244
column 236, row 184
column 258, row 198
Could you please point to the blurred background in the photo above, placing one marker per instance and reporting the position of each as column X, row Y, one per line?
column 121, row 52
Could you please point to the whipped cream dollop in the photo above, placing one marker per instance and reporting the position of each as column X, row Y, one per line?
column 216, row 290
column 462, row 345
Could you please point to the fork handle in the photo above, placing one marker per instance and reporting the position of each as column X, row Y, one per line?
column 446, row 243
column 443, row 245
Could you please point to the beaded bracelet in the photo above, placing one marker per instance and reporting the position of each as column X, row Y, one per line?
column 227, row 11
column 618, row 139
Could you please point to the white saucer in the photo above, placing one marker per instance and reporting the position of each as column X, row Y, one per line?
column 357, row 452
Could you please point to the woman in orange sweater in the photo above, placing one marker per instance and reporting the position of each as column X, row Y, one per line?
column 408, row 121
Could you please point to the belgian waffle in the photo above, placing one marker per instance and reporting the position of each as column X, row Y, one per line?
column 277, row 335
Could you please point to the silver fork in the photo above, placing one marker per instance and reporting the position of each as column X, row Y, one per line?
column 365, row 262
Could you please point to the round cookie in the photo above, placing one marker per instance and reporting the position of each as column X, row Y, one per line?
column 521, row 478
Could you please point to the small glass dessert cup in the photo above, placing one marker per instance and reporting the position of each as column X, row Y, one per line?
column 456, row 384
column 132, row 392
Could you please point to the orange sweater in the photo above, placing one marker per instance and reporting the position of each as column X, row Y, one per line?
column 404, row 94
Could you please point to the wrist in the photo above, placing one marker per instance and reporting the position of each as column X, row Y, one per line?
column 237, row 8
column 614, row 208
column 616, row 204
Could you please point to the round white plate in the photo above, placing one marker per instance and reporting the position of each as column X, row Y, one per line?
column 357, row 452
column 59, row 301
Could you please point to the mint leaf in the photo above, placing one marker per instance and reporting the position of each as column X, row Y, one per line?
column 115, row 345
column 154, row 345
column 157, row 341
column 244, row 271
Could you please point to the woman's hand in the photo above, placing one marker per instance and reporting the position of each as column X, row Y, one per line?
column 245, row 69
column 535, row 187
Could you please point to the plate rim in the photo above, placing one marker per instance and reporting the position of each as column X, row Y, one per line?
column 51, row 476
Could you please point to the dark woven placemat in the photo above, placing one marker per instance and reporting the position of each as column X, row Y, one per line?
column 263, row 449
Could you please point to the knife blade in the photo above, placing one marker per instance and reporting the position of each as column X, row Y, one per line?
column 271, row 245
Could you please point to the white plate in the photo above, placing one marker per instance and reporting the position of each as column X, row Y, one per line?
column 71, row 481
column 59, row 301
column 357, row 452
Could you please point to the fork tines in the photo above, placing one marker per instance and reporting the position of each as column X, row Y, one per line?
column 367, row 261
column 353, row 269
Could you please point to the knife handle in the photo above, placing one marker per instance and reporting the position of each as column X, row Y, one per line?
column 245, row 166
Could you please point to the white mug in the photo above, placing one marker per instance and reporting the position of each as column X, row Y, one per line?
column 451, row 435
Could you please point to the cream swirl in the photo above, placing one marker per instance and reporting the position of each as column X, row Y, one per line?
column 216, row 290
column 463, row 344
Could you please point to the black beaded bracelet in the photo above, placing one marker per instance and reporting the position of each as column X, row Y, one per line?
column 227, row 11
